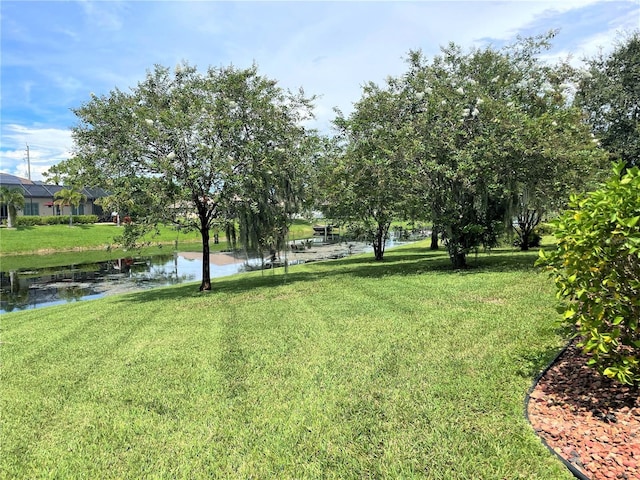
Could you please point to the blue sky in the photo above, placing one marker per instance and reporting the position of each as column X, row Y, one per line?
column 54, row 54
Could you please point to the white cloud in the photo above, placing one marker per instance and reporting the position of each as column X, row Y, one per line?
column 47, row 146
column 104, row 15
column 368, row 41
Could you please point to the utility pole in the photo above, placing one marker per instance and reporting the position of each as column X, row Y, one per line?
column 28, row 163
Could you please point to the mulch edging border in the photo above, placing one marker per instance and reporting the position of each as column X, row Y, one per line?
column 570, row 466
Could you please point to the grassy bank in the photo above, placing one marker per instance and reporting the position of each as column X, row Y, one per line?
column 56, row 245
column 61, row 238
column 342, row 369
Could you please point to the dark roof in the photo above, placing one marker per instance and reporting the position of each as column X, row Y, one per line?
column 37, row 189
column 6, row 179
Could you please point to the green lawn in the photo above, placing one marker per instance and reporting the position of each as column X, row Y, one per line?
column 57, row 238
column 60, row 238
column 345, row 369
column 56, row 245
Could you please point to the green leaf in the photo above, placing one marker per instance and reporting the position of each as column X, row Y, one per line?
column 632, row 221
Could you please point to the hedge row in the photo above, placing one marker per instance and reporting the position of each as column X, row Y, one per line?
column 31, row 220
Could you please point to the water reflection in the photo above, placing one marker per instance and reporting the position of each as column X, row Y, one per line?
column 27, row 289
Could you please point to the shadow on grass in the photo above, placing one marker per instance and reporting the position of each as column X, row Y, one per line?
column 20, row 228
column 403, row 261
column 533, row 362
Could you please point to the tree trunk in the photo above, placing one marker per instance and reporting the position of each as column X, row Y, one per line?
column 434, row 238
column 14, row 281
column 458, row 259
column 11, row 215
column 206, row 266
column 379, row 240
column 378, row 247
column 528, row 220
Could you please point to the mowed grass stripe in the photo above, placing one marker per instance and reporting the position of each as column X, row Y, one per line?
column 353, row 369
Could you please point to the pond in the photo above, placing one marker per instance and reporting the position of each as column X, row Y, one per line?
column 27, row 289
column 37, row 288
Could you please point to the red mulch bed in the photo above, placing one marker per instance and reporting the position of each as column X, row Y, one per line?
column 590, row 421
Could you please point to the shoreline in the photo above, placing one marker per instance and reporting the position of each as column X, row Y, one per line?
column 315, row 253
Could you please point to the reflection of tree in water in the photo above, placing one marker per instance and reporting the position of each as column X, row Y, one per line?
column 48, row 285
column 14, row 280
column 73, row 293
column 22, row 290
column 160, row 269
column 14, row 296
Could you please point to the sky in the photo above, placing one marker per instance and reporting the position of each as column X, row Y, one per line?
column 55, row 54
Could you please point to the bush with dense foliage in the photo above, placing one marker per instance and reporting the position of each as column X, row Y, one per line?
column 532, row 241
column 596, row 267
column 32, row 220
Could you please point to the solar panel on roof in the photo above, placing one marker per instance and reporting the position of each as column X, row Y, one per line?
column 6, row 179
column 35, row 191
column 39, row 189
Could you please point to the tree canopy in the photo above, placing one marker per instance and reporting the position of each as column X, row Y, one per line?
column 609, row 93
column 367, row 181
column 478, row 142
column 498, row 139
column 198, row 150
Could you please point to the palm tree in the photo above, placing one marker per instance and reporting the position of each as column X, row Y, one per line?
column 14, row 200
column 68, row 197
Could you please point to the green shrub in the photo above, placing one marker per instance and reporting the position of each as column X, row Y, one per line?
column 544, row 228
column 28, row 221
column 56, row 220
column 85, row 219
column 596, row 267
column 31, row 220
column 532, row 242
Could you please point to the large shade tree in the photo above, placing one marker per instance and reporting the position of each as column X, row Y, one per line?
column 497, row 139
column 609, row 93
column 195, row 149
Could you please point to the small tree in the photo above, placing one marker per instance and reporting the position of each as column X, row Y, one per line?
column 69, row 197
column 596, row 267
column 13, row 199
column 368, row 182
